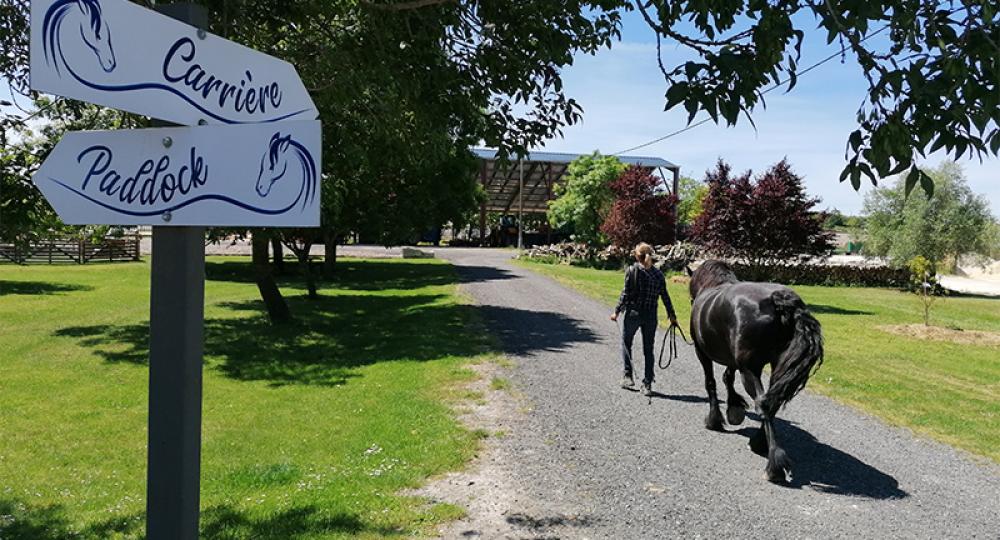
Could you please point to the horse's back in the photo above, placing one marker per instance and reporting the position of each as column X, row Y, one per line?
column 739, row 320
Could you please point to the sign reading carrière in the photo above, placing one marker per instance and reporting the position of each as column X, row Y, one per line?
column 121, row 55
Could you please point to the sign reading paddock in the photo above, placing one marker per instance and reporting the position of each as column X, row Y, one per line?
column 256, row 175
column 118, row 54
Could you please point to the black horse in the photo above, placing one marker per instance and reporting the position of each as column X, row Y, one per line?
column 745, row 326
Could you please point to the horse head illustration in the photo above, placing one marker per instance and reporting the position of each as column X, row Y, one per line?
column 274, row 166
column 90, row 26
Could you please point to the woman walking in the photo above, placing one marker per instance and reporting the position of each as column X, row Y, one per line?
column 644, row 287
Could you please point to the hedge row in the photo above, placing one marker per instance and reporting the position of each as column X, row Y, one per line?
column 852, row 276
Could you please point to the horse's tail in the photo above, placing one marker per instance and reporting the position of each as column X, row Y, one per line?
column 803, row 355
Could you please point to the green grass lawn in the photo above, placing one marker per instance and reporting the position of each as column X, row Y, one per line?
column 948, row 391
column 309, row 430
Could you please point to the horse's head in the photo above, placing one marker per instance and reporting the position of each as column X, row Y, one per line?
column 96, row 34
column 710, row 274
column 273, row 164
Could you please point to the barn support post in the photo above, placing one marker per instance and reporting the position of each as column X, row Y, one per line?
column 482, row 207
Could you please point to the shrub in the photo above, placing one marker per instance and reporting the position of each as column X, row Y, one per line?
column 923, row 278
column 642, row 212
column 826, row 275
column 760, row 222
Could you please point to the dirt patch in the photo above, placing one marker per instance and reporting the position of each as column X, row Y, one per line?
column 937, row 333
column 483, row 489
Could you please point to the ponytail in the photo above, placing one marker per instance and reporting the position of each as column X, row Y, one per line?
column 643, row 252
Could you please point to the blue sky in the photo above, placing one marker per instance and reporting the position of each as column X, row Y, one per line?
column 621, row 91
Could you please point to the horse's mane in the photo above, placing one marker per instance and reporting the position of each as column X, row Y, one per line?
column 94, row 8
column 711, row 274
column 278, row 144
column 274, row 147
column 54, row 18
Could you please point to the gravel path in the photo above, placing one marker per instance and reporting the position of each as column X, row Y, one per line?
column 585, row 459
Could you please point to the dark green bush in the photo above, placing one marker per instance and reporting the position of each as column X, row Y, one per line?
column 830, row 275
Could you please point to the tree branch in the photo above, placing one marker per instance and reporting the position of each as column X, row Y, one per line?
column 406, row 6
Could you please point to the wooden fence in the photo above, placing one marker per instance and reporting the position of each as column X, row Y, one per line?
column 72, row 250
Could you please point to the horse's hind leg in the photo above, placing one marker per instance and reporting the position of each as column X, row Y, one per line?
column 765, row 441
column 714, row 419
column 736, row 406
column 751, row 381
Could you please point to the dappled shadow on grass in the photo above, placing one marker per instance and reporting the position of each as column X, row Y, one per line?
column 834, row 310
column 335, row 334
column 363, row 275
column 821, row 467
column 20, row 521
column 29, row 288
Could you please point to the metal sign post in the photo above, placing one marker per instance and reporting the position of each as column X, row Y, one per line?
column 176, row 342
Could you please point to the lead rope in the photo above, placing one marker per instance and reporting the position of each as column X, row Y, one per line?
column 672, row 334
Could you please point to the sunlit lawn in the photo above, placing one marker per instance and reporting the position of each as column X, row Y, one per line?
column 310, row 430
column 948, row 391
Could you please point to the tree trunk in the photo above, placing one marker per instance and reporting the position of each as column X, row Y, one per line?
column 277, row 308
column 329, row 254
column 279, row 256
column 307, row 272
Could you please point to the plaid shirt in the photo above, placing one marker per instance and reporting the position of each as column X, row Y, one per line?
column 642, row 291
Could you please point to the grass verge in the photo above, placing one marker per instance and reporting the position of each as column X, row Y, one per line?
column 948, row 391
column 310, row 430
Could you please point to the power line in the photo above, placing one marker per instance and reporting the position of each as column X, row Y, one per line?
column 777, row 85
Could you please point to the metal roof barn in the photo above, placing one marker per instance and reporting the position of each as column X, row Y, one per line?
column 525, row 186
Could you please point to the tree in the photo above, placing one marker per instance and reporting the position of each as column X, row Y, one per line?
column 583, row 200
column 931, row 73
column 923, row 279
column 25, row 215
column 942, row 228
column 691, row 194
column 403, row 89
column 761, row 221
column 642, row 211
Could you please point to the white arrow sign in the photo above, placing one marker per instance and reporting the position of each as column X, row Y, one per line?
column 120, row 55
column 260, row 175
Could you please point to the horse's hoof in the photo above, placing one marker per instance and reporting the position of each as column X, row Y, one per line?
column 778, row 476
column 714, row 421
column 735, row 415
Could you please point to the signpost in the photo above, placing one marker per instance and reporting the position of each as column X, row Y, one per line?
column 119, row 54
column 260, row 174
column 262, row 169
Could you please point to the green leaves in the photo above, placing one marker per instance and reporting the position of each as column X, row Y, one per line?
column 583, row 200
column 931, row 78
column 901, row 225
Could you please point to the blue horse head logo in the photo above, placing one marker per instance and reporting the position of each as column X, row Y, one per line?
column 282, row 153
column 84, row 18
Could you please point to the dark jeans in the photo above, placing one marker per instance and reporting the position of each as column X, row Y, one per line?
column 634, row 320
